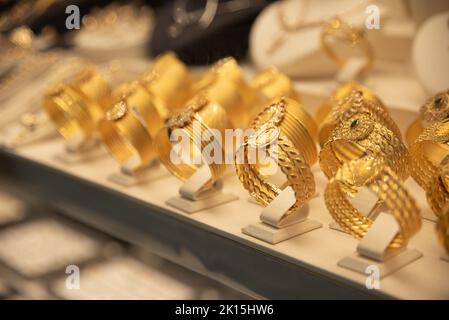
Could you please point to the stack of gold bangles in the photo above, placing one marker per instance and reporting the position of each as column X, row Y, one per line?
column 362, row 147
column 130, row 126
column 182, row 120
column 428, row 137
column 221, row 95
column 75, row 107
column 286, row 123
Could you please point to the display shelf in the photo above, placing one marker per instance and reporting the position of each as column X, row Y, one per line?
column 211, row 242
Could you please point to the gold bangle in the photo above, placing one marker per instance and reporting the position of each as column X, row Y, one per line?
column 76, row 107
column 269, row 85
column 435, row 109
column 200, row 115
column 371, row 171
column 130, row 126
column 337, row 30
column 224, row 84
column 427, row 167
column 443, row 229
column 279, row 123
column 346, row 101
column 358, row 136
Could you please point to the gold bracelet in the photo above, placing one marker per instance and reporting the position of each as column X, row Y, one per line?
column 346, row 101
column 279, row 130
column 429, row 164
column 129, row 128
column 76, row 107
column 194, row 124
column 443, row 229
column 225, row 85
column 358, row 136
column 338, row 30
column 435, row 109
column 371, row 171
column 269, row 85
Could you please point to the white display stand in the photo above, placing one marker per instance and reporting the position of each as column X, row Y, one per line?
column 192, row 198
column 274, row 228
column 430, row 54
column 308, row 59
column 128, row 178
column 71, row 155
column 371, row 250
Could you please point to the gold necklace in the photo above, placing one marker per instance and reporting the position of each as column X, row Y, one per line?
column 287, row 27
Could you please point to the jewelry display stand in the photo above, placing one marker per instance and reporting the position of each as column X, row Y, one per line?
column 372, row 249
column 273, row 228
column 193, row 199
column 309, row 60
column 128, row 177
column 73, row 154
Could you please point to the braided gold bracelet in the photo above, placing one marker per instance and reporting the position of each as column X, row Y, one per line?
column 350, row 99
column 278, row 129
column 358, row 136
column 76, row 107
column 430, row 164
column 435, row 109
column 371, row 171
column 130, row 126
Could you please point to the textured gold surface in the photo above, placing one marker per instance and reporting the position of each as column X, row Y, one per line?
column 75, row 107
column 206, row 115
column 429, row 164
column 371, row 171
column 435, row 109
column 142, row 107
column 358, row 136
column 295, row 152
column 350, row 99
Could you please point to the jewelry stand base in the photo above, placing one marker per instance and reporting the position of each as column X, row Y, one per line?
column 445, row 257
column 90, row 152
column 429, row 216
column 254, row 201
column 335, row 226
column 151, row 173
column 192, row 206
column 359, row 264
column 272, row 235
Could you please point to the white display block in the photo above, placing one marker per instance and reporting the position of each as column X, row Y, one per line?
column 272, row 235
column 127, row 179
column 88, row 153
column 192, row 206
column 372, row 249
column 192, row 198
column 273, row 227
column 360, row 264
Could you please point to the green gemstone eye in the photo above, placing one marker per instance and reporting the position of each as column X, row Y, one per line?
column 438, row 102
column 354, row 123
